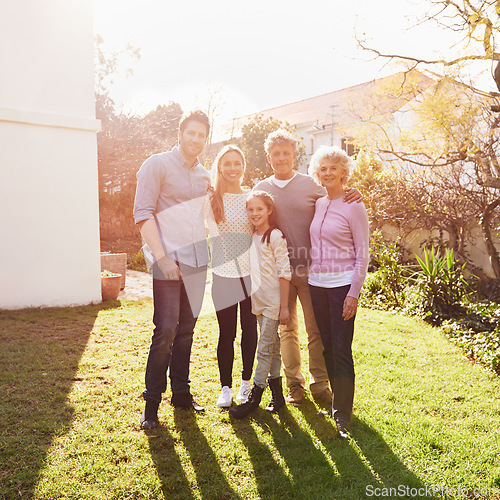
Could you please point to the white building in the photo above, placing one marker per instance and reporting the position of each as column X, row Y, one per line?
column 49, row 252
column 327, row 119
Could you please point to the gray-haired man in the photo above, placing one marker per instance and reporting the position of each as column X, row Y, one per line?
column 295, row 196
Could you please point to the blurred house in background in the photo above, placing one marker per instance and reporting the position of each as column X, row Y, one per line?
column 331, row 119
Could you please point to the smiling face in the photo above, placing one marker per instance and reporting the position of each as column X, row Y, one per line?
column 192, row 140
column 282, row 157
column 258, row 213
column 231, row 168
column 331, row 175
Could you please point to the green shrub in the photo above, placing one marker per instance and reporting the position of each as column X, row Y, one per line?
column 478, row 333
column 441, row 286
column 436, row 290
column 373, row 294
column 386, row 286
column 137, row 262
column 373, row 284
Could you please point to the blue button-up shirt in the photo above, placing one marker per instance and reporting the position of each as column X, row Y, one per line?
column 172, row 193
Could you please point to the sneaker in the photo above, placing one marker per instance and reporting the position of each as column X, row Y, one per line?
column 225, row 398
column 296, row 395
column 324, row 398
column 244, row 392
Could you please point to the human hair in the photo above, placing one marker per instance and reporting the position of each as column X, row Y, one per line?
column 268, row 200
column 279, row 136
column 197, row 115
column 336, row 155
column 220, row 185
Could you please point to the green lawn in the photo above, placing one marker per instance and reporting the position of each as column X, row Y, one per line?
column 71, row 382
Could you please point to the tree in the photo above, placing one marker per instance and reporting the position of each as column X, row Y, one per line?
column 108, row 66
column 162, row 124
column 371, row 178
column 436, row 182
column 125, row 141
column 254, row 134
column 212, row 106
column 476, row 23
column 453, row 145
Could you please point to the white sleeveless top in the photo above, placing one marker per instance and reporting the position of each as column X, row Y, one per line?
column 230, row 239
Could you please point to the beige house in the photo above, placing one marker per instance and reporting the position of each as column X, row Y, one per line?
column 49, row 254
column 328, row 119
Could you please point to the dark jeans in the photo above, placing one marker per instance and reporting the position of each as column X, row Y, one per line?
column 337, row 336
column 177, row 304
column 234, row 291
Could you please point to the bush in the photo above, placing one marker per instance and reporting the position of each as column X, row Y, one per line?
column 478, row 333
column 441, row 286
column 373, row 294
column 384, row 289
column 137, row 262
column 436, row 291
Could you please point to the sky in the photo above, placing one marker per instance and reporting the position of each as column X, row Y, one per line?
column 251, row 56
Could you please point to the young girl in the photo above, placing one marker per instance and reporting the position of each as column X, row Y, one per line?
column 270, row 272
column 230, row 236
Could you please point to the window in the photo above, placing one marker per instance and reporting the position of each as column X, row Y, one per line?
column 347, row 146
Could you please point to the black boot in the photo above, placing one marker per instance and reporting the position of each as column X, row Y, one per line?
column 186, row 402
column 243, row 410
column 277, row 401
column 149, row 418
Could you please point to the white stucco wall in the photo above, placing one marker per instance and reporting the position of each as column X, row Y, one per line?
column 49, row 252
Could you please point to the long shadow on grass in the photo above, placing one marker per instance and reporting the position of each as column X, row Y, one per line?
column 312, row 473
column 209, row 477
column 367, row 461
column 173, row 479
column 39, row 357
column 271, row 480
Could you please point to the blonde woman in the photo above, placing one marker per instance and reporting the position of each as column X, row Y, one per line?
column 230, row 237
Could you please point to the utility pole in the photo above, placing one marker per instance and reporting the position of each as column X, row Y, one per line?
column 332, row 135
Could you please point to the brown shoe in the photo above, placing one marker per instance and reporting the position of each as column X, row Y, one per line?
column 296, row 395
column 324, row 397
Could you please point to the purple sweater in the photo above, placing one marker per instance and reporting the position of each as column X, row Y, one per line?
column 340, row 240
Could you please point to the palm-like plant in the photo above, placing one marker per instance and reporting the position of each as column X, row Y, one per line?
column 441, row 284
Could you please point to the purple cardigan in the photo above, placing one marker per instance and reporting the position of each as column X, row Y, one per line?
column 340, row 240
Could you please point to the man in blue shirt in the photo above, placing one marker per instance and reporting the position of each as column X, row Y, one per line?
column 168, row 210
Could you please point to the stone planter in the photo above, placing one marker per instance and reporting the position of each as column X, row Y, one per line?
column 116, row 263
column 110, row 286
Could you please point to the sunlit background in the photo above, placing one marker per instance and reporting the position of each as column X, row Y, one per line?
column 260, row 54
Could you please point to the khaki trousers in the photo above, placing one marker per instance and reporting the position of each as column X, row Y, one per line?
column 289, row 336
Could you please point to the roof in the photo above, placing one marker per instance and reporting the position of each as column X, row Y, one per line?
column 350, row 105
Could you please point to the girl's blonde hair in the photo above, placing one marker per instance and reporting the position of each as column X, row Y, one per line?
column 220, row 185
column 268, row 200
